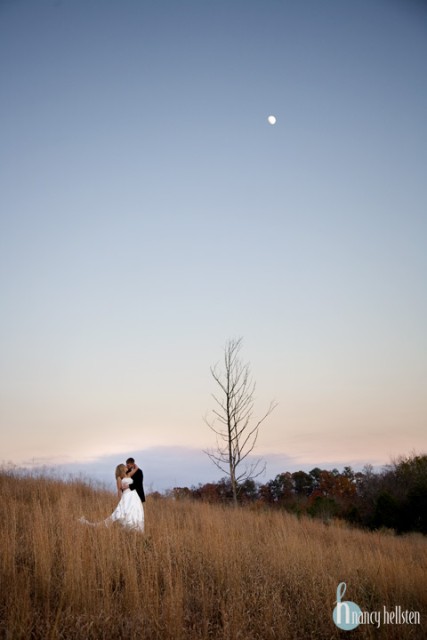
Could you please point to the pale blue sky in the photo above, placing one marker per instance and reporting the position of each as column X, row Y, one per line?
column 149, row 212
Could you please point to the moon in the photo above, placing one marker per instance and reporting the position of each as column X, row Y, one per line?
column 272, row 120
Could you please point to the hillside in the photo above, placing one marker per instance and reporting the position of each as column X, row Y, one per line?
column 200, row 571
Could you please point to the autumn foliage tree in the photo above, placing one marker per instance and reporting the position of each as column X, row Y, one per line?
column 395, row 497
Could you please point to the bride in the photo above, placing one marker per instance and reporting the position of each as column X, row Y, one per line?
column 130, row 511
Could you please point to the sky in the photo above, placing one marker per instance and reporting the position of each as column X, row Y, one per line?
column 149, row 213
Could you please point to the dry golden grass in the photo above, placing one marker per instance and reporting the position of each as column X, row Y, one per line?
column 200, row 571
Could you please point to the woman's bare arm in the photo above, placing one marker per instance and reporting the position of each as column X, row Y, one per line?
column 119, row 487
column 134, row 470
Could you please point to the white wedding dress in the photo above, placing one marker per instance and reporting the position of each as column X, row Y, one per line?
column 129, row 512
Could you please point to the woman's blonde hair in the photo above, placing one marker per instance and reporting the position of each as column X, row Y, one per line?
column 120, row 471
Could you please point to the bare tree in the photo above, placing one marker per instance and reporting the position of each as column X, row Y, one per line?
column 236, row 432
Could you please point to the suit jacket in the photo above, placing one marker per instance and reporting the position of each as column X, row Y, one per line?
column 137, row 485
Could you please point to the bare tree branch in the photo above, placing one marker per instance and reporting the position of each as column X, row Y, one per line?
column 232, row 422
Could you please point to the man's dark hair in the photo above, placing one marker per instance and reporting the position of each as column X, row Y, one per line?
column 130, row 461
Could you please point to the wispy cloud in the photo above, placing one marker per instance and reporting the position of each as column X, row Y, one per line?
column 166, row 467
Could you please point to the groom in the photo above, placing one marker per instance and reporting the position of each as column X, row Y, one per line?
column 137, row 478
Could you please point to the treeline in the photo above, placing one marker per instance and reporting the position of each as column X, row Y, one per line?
column 395, row 498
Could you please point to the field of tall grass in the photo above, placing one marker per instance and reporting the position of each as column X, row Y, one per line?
column 199, row 571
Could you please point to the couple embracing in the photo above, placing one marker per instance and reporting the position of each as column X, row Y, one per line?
column 130, row 490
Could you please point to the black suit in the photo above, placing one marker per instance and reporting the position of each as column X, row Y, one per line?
column 138, row 478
